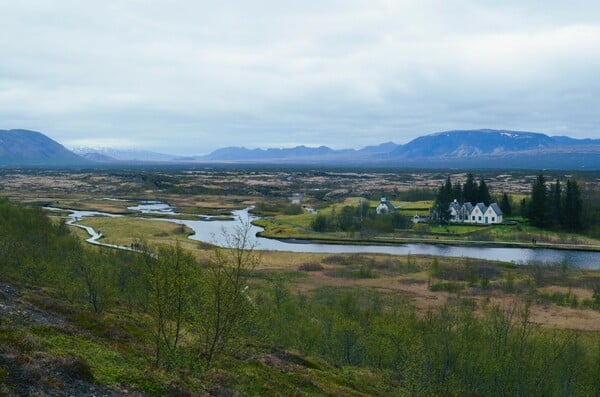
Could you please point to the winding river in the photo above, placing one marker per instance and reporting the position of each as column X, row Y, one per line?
column 213, row 231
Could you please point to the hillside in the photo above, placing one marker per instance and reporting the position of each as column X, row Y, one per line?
column 50, row 347
column 473, row 143
column 31, row 148
column 67, row 328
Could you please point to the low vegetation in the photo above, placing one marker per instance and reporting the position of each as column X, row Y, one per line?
column 83, row 320
column 184, row 319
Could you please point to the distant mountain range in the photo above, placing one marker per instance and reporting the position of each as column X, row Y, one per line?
column 298, row 152
column 31, row 148
column 461, row 148
column 471, row 144
column 108, row 155
column 457, row 149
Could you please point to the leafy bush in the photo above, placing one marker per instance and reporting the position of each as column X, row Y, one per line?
column 447, row 287
column 76, row 367
column 365, row 271
column 292, row 209
column 334, row 259
column 310, row 267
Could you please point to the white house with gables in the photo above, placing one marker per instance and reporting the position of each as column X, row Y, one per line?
column 384, row 207
column 465, row 212
column 455, row 212
column 478, row 213
column 493, row 214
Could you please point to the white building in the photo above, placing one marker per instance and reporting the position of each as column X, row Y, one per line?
column 384, row 207
column 455, row 211
column 296, row 199
column 479, row 214
column 493, row 214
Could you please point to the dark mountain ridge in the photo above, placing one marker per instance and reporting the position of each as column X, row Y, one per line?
column 234, row 153
column 459, row 148
column 469, row 143
column 32, row 148
column 566, row 140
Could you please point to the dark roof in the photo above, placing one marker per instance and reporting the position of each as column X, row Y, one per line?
column 481, row 207
column 389, row 205
column 468, row 206
column 496, row 208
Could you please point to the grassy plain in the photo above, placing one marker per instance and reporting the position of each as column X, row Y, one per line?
column 126, row 231
column 298, row 227
column 427, row 282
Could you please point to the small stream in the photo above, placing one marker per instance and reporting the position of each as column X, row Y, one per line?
column 76, row 216
column 213, row 231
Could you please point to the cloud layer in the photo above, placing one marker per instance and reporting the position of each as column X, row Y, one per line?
column 189, row 76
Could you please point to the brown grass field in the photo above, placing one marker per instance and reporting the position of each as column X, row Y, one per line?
column 417, row 278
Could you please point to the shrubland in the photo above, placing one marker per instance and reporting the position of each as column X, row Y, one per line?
column 162, row 322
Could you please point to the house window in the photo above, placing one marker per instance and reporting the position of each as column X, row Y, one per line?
column 493, row 219
column 479, row 219
column 473, row 218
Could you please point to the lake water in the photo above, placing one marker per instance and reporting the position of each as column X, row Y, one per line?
column 153, row 207
column 213, row 232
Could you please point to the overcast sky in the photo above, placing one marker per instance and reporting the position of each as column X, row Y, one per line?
column 187, row 77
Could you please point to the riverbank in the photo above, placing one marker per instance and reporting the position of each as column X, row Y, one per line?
column 435, row 241
column 128, row 230
column 297, row 229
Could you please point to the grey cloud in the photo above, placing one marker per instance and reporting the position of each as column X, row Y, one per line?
column 188, row 77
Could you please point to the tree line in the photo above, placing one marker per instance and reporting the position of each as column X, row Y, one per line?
column 555, row 206
column 469, row 192
column 360, row 218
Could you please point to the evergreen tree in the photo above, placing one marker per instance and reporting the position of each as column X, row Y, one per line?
column 590, row 213
column 448, row 190
column 505, row 205
column 555, row 213
column 524, row 208
column 573, row 206
column 319, row 224
column 441, row 207
column 470, row 189
column 346, row 219
column 457, row 193
column 483, row 193
column 537, row 206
